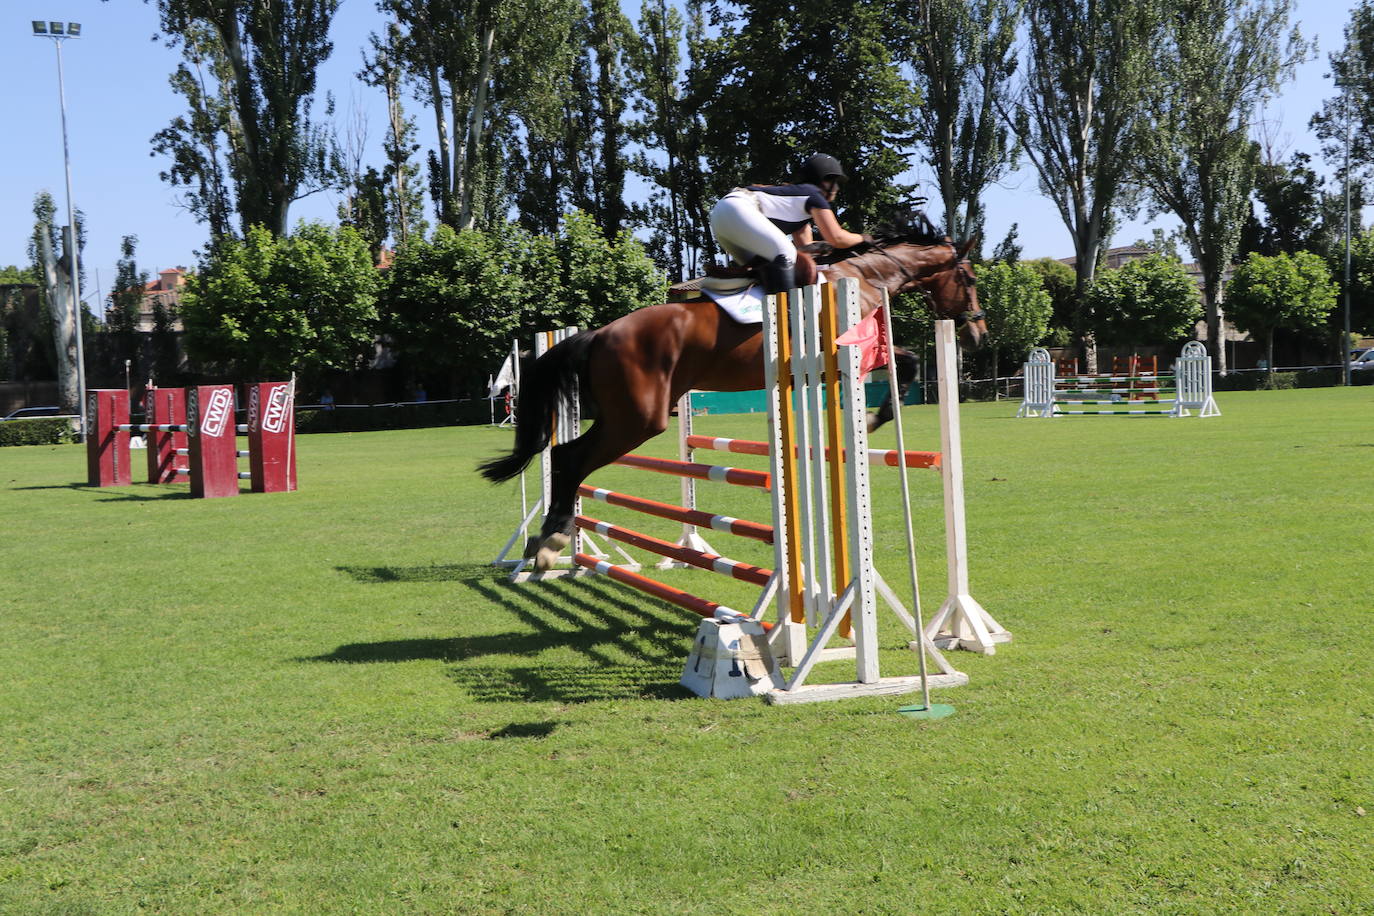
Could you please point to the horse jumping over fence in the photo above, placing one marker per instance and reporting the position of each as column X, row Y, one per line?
column 634, row 369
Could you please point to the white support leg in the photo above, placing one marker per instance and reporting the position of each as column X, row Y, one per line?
column 961, row 621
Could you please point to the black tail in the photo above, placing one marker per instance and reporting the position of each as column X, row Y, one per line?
column 544, row 384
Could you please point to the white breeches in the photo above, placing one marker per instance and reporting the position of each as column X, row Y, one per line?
column 743, row 231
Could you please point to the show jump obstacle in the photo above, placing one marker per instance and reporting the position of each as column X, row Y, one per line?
column 823, row 582
column 1138, row 394
column 192, row 438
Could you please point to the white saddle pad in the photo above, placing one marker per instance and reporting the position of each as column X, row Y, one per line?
column 744, row 305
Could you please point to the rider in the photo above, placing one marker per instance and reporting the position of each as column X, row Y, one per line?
column 757, row 220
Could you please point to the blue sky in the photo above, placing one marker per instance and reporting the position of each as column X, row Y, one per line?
column 118, row 97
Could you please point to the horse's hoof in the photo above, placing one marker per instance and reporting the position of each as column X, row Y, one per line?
column 547, row 554
column 531, row 546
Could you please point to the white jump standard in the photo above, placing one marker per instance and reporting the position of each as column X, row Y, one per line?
column 1135, row 395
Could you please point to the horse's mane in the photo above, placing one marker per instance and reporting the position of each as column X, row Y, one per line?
column 905, row 225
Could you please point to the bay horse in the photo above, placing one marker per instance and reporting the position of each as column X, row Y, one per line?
column 634, row 369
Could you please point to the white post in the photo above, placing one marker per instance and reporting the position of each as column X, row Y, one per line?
column 789, row 639
column 864, row 613
column 961, row 621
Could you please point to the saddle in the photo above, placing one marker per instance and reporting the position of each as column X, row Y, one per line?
column 736, row 277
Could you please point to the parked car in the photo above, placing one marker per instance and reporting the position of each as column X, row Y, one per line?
column 1364, row 362
column 23, row 412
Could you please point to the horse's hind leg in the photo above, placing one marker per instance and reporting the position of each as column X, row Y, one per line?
column 572, row 461
column 628, row 378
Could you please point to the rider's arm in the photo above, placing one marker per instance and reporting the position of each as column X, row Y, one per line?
column 831, row 230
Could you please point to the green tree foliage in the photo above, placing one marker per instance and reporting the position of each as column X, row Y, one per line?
column 366, row 208
column 250, row 89
column 670, row 131
column 610, row 32
column 781, row 80
column 1361, row 281
column 1220, row 60
column 1147, row 301
column 266, row 306
column 574, row 152
column 22, row 323
column 404, row 197
column 13, row 275
column 1060, row 282
column 485, row 70
column 1290, row 292
column 196, row 142
column 11, row 303
column 963, row 56
column 1018, row 308
column 126, row 302
column 1290, row 195
column 454, row 302
column 1089, row 71
column 602, row 279
column 165, row 345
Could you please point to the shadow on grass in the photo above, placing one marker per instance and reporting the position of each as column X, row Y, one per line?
column 631, row 646
column 115, row 494
column 523, row 730
column 453, row 572
column 165, row 495
column 82, row 485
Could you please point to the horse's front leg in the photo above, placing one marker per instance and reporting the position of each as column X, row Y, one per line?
column 905, row 374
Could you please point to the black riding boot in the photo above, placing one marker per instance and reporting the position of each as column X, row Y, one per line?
column 779, row 275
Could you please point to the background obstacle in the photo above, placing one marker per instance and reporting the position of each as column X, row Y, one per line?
column 1142, row 393
column 192, row 437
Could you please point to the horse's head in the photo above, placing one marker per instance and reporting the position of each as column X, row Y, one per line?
column 952, row 292
column 941, row 272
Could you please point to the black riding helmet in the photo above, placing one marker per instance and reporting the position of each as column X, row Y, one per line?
column 821, row 167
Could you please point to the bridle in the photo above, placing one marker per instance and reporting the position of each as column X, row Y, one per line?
column 966, row 283
column 964, row 271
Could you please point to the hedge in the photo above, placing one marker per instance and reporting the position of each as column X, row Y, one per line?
column 37, row 431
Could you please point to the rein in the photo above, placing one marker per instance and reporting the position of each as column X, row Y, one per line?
column 912, row 280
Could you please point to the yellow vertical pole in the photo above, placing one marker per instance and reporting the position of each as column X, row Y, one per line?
column 787, row 422
column 834, row 435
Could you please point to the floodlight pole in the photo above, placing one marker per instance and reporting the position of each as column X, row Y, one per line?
column 1345, row 82
column 73, row 243
column 1345, row 338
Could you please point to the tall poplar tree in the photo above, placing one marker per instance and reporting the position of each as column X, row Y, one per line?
column 963, row 56
column 1219, row 61
column 669, row 132
column 574, row 136
column 126, row 303
column 477, row 64
column 404, row 198
column 264, row 57
column 1089, row 71
column 56, row 255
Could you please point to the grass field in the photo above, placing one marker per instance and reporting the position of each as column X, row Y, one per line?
column 328, row 702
